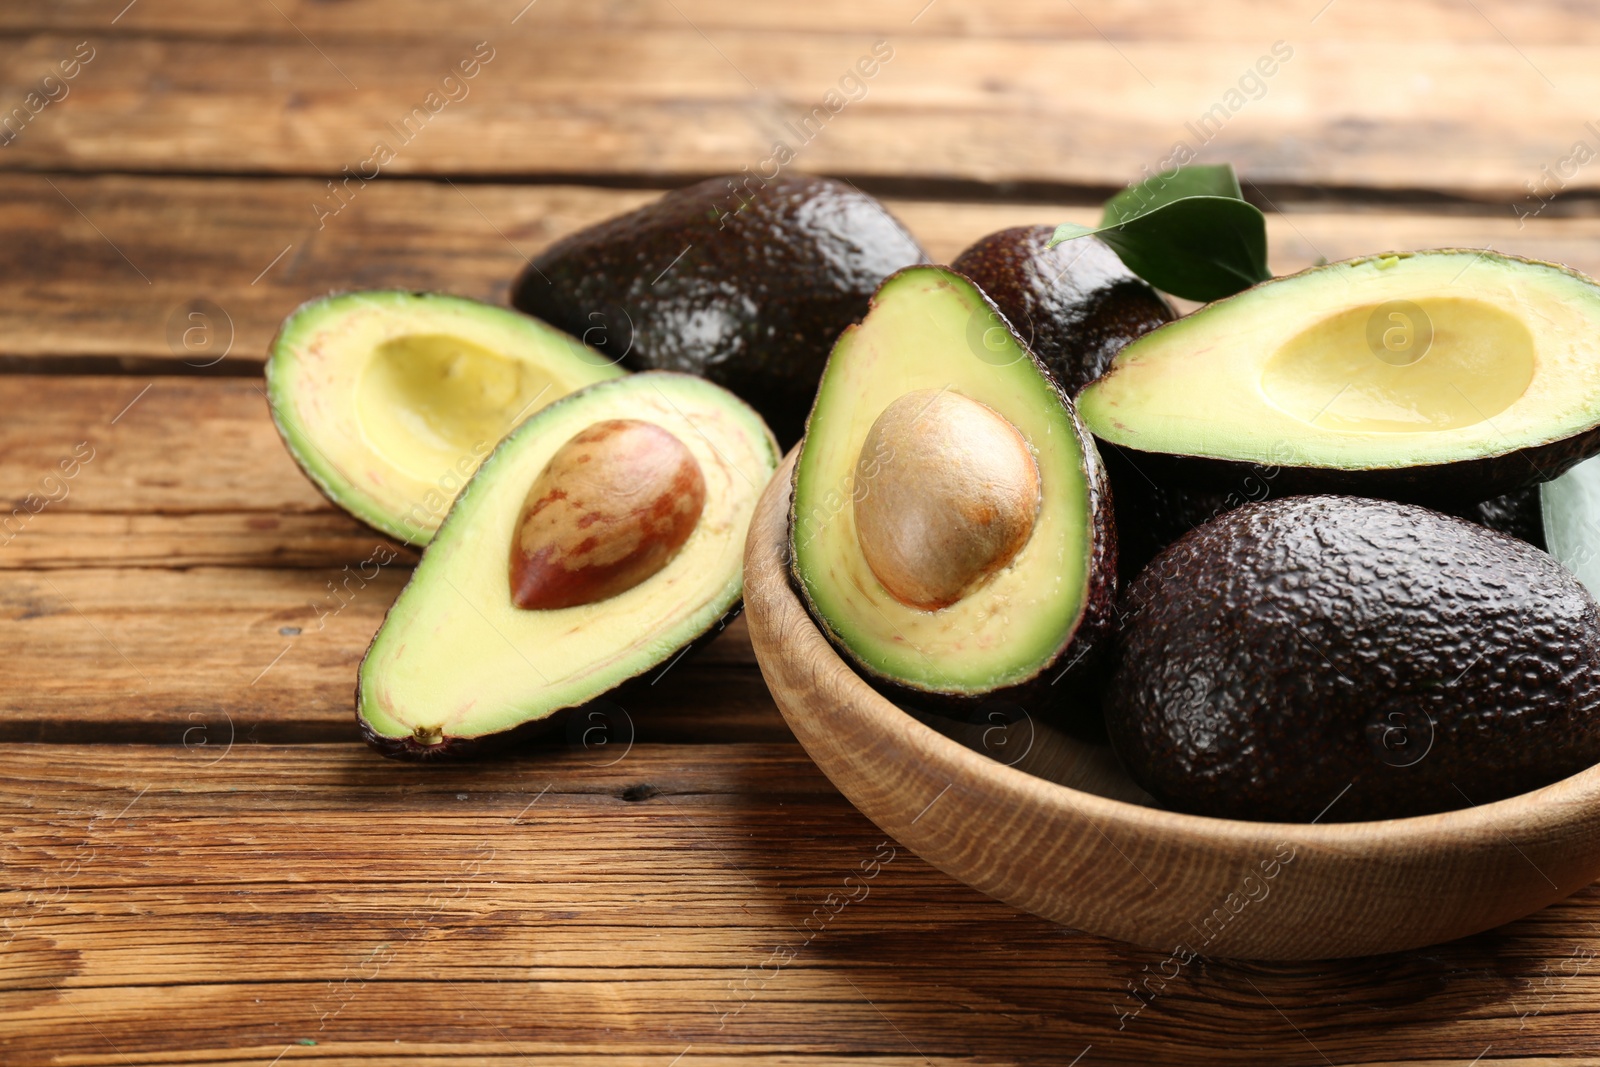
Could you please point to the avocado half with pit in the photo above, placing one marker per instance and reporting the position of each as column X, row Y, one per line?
column 1440, row 377
column 951, row 529
column 601, row 538
column 389, row 400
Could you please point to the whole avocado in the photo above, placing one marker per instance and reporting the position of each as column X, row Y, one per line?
column 1346, row 658
column 743, row 281
column 1075, row 304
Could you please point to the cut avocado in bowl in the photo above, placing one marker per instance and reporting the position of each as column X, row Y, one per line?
column 389, row 400
column 1443, row 377
column 600, row 539
column 951, row 530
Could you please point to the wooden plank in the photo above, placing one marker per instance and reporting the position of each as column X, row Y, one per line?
column 115, row 266
column 165, row 472
column 167, row 905
column 1392, row 106
column 149, row 446
column 1524, row 21
column 242, row 253
column 157, row 654
column 54, row 540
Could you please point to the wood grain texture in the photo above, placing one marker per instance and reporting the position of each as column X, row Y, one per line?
column 194, row 905
column 225, row 900
column 122, row 278
column 1156, row 878
column 1536, row 22
column 169, row 473
column 186, row 575
column 146, row 654
column 1439, row 97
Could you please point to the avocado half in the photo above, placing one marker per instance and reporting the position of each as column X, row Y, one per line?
column 951, row 528
column 389, row 400
column 742, row 280
column 602, row 537
column 1442, row 377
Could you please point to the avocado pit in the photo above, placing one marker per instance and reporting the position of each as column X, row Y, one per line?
column 948, row 494
column 610, row 509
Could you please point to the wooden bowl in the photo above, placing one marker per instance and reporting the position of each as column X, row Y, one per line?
column 1086, row 850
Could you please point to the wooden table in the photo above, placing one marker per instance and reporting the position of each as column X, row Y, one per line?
column 201, row 863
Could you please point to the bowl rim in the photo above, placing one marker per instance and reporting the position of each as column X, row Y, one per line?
column 1523, row 814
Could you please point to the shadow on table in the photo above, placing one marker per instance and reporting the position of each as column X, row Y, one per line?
column 929, row 967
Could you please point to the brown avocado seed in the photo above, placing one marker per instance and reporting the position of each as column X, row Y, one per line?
column 610, row 509
column 947, row 494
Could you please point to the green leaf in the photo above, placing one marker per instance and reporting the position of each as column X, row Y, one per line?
column 1163, row 189
column 1190, row 233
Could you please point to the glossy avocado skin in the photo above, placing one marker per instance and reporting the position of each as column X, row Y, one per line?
column 1288, row 650
column 1075, row 305
column 1449, row 487
column 1517, row 513
column 756, row 300
column 1154, row 508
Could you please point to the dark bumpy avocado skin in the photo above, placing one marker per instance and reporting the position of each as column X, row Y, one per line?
column 1150, row 516
column 1517, row 513
column 1287, row 650
column 756, row 300
column 1446, row 486
column 1160, row 498
column 1075, row 304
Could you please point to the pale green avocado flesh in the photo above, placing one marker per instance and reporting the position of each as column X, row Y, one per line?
column 389, row 400
column 456, row 659
column 1403, row 360
column 931, row 329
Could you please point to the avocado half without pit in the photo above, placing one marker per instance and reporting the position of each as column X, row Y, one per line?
column 951, row 531
column 1440, row 377
column 601, row 538
column 389, row 400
